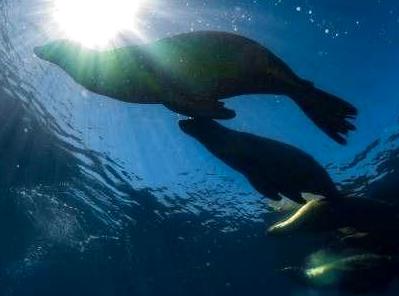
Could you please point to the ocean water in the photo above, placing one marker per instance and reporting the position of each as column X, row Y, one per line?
column 101, row 197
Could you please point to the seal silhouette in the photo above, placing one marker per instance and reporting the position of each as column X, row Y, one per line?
column 272, row 168
column 325, row 215
column 357, row 273
column 190, row 73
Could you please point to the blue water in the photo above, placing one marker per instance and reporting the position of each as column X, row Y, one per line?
column 100, row 197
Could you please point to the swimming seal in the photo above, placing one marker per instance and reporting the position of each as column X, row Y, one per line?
column 357, row 273
column 324, row 215
column 190, row 73
column 273, row 168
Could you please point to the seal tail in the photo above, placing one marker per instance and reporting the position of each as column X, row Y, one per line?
column 328, row 112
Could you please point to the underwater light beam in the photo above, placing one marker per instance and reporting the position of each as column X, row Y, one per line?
column 94, row 23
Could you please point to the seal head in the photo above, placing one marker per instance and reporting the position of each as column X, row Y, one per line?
column 56, row 51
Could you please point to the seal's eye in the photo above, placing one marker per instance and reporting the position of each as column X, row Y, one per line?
column 94, row 23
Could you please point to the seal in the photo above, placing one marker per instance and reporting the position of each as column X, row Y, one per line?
column 324, row 215
column 190, row 73
column 273, row 168
column 356, row 273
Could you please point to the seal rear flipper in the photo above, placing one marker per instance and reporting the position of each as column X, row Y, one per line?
column 204, row 109
column 327, row 111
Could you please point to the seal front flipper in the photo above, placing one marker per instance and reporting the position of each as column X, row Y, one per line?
column 201, row 108
column 295, row 196
column 267, row 190
column 274, row 192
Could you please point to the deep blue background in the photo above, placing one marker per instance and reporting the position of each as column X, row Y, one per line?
column 107, row 198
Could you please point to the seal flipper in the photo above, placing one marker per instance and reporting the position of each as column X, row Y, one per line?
column 327, row 111
column 266, row 190
column 272, row 192
column 296, row 197
column 201, row 108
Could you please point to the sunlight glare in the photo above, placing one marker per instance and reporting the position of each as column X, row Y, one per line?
column 94, row 23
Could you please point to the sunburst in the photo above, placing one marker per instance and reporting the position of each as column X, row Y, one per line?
column 94, row 23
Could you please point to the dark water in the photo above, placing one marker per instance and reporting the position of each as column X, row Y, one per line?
column 100, row 197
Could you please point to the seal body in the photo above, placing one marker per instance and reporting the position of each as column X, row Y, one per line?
column 189, row 73
column 322, row 215
column 357, row 273
column 273, row 168
column 197, row 66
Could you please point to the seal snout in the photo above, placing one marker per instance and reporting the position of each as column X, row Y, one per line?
column 295, row 273
column 186, row 125
column 197, row 126
column 38, row 51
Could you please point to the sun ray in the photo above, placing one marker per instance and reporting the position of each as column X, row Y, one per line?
column 95, row 23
